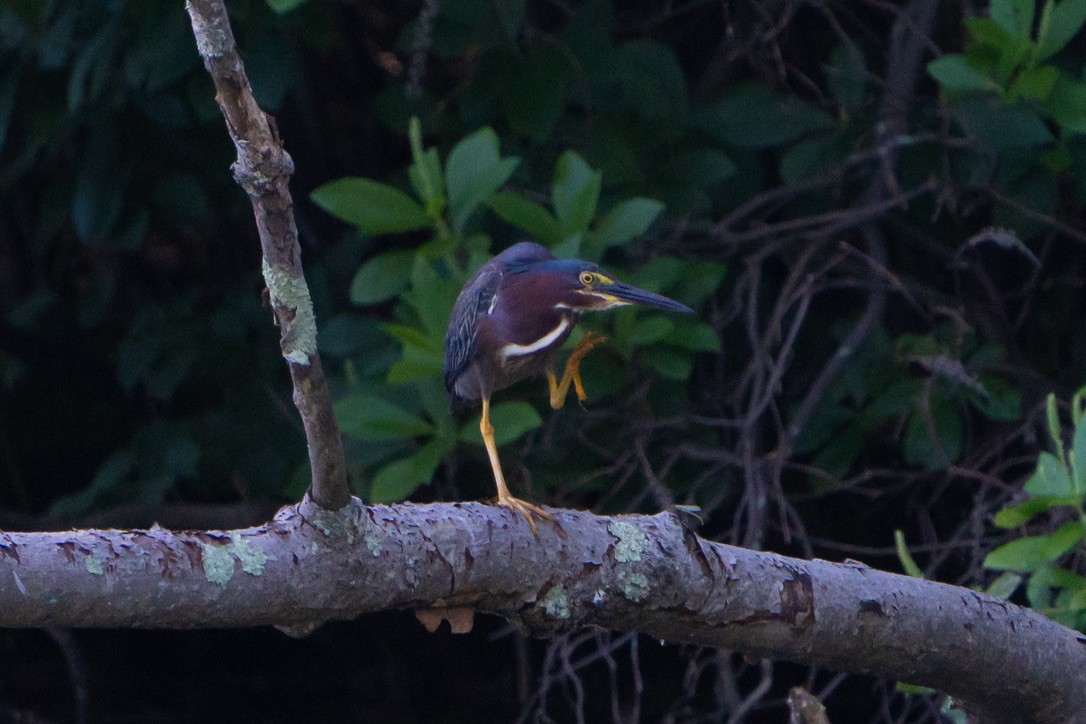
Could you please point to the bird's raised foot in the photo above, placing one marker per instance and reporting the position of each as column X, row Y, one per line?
column 588, row 342
column 528, row 510
column 572, row 374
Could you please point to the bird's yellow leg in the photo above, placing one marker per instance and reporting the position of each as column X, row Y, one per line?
column 504, row 496
column 572, row 373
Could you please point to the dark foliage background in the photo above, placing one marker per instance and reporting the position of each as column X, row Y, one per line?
column 888, row 279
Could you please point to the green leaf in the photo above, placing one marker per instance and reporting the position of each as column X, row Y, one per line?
column 1014, row 16
column 474, row 171
column 382, row 277
column 695, row 336
column 431, row 297
column 371, row 207
column 1004, row 400
column 699, row 281
column 1016, row 515
column 509, row 419
column 412, row 370
column 1067, row 104
column 281, row 7
column 630, row 218
column 1078, row 458
column 704, row 166
column 987, row 32
column 527, row 215
column 651, row 79
column 668, row 362
column 659, row 273
column 1033, row 83
column 369, row 418
column 753, row 116
column 1063, row 23
column 935, row 448
column 905, row 557
column 413, row 337
column 347, row 334
column 1051, row 478
column 848, row 76
column 954, row 73
column 426, row 179
column 1004, row 585
column 1001, row 126
column 1068, row 580
column 1038, row 587
column 1055, row 429
column 400, row 478
column 649, row 330
column 575, row 193
column 1032, row 552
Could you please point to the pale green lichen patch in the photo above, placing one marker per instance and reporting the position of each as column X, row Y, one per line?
column 290, row 291
column 344, row 522
column 555, row 602
column 252, row 559
column 93, row 564
column 373, row 543
column 218, row 564
column 631, row 541
column 634, row 586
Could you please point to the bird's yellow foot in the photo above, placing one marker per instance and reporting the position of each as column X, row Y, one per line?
column 528, row 510
column 572, row 373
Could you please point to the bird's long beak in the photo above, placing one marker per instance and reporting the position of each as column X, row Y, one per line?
column 627, row 294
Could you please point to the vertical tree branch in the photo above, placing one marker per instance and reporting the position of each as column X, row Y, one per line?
column 263, row 168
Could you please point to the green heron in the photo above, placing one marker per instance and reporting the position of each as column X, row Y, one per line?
column 509, row 322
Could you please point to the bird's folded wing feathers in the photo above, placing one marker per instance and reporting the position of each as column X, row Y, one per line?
column 474, row 302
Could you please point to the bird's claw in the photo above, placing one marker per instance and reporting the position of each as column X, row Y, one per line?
column 528, row 510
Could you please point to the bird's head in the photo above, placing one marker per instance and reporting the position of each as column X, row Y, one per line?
column 585, row 287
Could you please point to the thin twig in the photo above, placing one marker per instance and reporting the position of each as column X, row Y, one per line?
column 263, row 168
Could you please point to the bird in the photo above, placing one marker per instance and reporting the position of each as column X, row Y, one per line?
column 508, row 323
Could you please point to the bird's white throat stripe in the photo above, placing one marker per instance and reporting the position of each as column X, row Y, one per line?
column 516, row 350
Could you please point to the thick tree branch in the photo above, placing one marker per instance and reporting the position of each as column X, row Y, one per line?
column 263, row 169
column 631, row 573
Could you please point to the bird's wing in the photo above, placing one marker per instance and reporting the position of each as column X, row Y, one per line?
column 473, row 303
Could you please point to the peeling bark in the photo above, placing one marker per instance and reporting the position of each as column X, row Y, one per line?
column 629, row 573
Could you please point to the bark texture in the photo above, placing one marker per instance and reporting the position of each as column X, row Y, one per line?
column 263, row 168
column 629, row 573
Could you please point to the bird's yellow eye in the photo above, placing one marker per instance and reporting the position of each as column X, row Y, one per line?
column 587, row 278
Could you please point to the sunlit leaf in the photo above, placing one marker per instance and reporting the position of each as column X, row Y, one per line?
column 954, row 73
column 371, row 207
column 575, row 193
column 905, row 557
column 382, row 277
column 473, row 171
column 1063, row 23
column 628, row 219
column 1051, row 477
column 1004, row 585
column 398, row 479
column 527, row 215
column 369, row 418
column 1030, row 553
